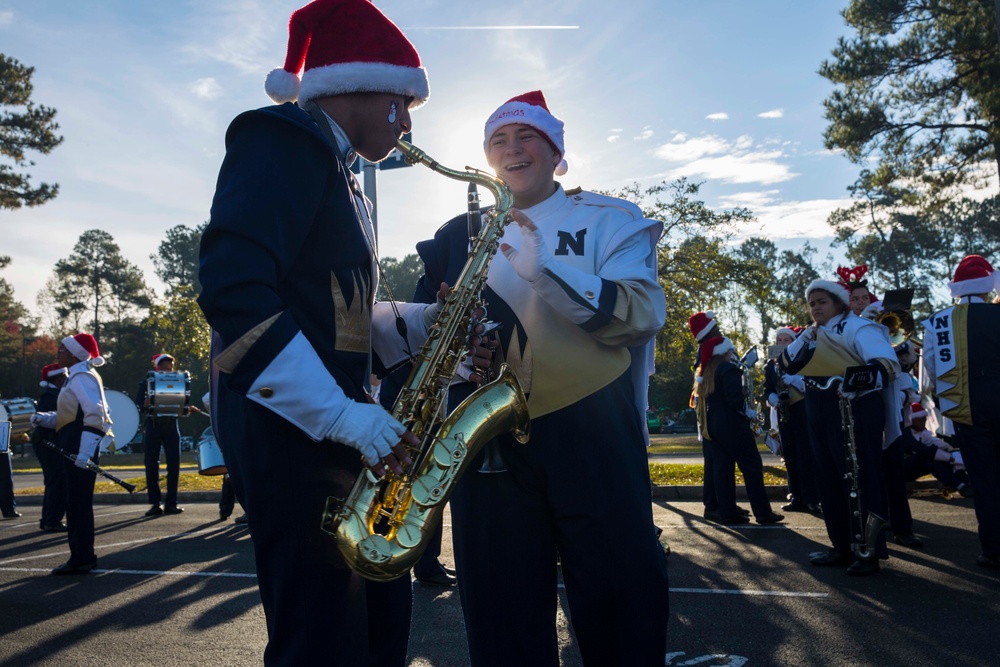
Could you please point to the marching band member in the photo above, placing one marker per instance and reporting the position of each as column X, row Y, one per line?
column 287, row 266
column 160, row 431
column 725, row 424
column 926, row 454
column 577, row 295
column 81, row 421
column 961, row 365
column 785, row 393
column 861, row 296
column 867, row 343
column 53, row 470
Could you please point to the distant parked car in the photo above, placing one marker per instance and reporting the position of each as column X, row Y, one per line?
column 187, row 443
column 653, row 422
column 673, row 426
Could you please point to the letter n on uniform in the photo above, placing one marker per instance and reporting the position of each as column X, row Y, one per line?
column 567, row 243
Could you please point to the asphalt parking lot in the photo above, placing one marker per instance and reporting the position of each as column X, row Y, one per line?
column 181, row 590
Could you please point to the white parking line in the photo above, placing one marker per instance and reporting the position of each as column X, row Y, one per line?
column 738, row 591
column 155, row 573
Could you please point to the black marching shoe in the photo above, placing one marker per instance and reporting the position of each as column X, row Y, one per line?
column 155, row 510
column 773, row 517
column 54, row 528
column 831, row 557
column 794, row 507
column 814, row 508
column 69, row 569
column 173, row 509
column 440, row 579
column 863, row 568
column 911, row 541
column 735, row 520
column 11, row 515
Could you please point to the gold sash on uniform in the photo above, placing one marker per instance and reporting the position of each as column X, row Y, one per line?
column 831, row 357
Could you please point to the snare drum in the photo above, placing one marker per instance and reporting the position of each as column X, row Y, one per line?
column 18, row 411
column 210, row 461
column 169, row 394
column 124, row 420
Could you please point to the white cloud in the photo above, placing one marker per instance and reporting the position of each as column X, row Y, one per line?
column 617, row 130
column 749, row 199
column 6, row 18
column 773, row 113
column 206, row 89
column 791, row 219
column 613, row 138
column 646, row 133
column 712, row 157
column 717, row 116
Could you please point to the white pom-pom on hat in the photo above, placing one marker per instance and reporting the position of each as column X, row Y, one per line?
column 281, row 86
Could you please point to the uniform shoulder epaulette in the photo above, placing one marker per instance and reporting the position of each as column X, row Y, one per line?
column 583, row 197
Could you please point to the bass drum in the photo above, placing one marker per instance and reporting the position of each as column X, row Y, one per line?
column 124, row 419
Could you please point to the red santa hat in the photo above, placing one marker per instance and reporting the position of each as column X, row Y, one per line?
column 917, row 411
column 157, row 358
column 701, row 323
column 51, row 370
column 837, row 290
column 712, row 347
column 346, row 46
column 529, row 109
column 83, row 346
column 974, row 275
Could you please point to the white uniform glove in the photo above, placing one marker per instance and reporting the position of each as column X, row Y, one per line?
column 751, row 414
column 531, row 259
column 88, row 446
column 367, row 428
column 796, row 381
column 44, row 419
column 772, row 399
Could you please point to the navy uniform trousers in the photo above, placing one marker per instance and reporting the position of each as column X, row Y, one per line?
column 980, row 447
column 165, row 432
column 798, row 455
column 283, row 479
column 578, row 489
column 830, row 454
column 79, row 495
column 894, row 489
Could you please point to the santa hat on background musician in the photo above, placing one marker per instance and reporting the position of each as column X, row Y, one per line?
column 529, row 109
column 702, row 325
column 83, row 346
column 973, row 276
column 346, row 46
column 157, row 358
column 49, row 371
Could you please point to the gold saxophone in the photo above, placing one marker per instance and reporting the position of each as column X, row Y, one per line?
column 383, row 525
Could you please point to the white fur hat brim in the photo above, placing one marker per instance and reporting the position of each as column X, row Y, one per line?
column 835, row 289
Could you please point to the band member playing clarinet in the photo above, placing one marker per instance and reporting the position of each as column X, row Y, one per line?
column 861, row 341
column 81, row 421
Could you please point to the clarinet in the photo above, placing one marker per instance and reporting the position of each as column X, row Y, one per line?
column 92, row 467
column 864, row 534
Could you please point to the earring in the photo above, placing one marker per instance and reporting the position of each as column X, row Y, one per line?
column 392, row 113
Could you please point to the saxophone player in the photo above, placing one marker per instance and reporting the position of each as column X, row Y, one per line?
column 579, row 304
column 785, row 393
column 874, row 412
column 287, row 265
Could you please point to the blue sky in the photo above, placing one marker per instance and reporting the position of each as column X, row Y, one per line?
column 722, row 91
